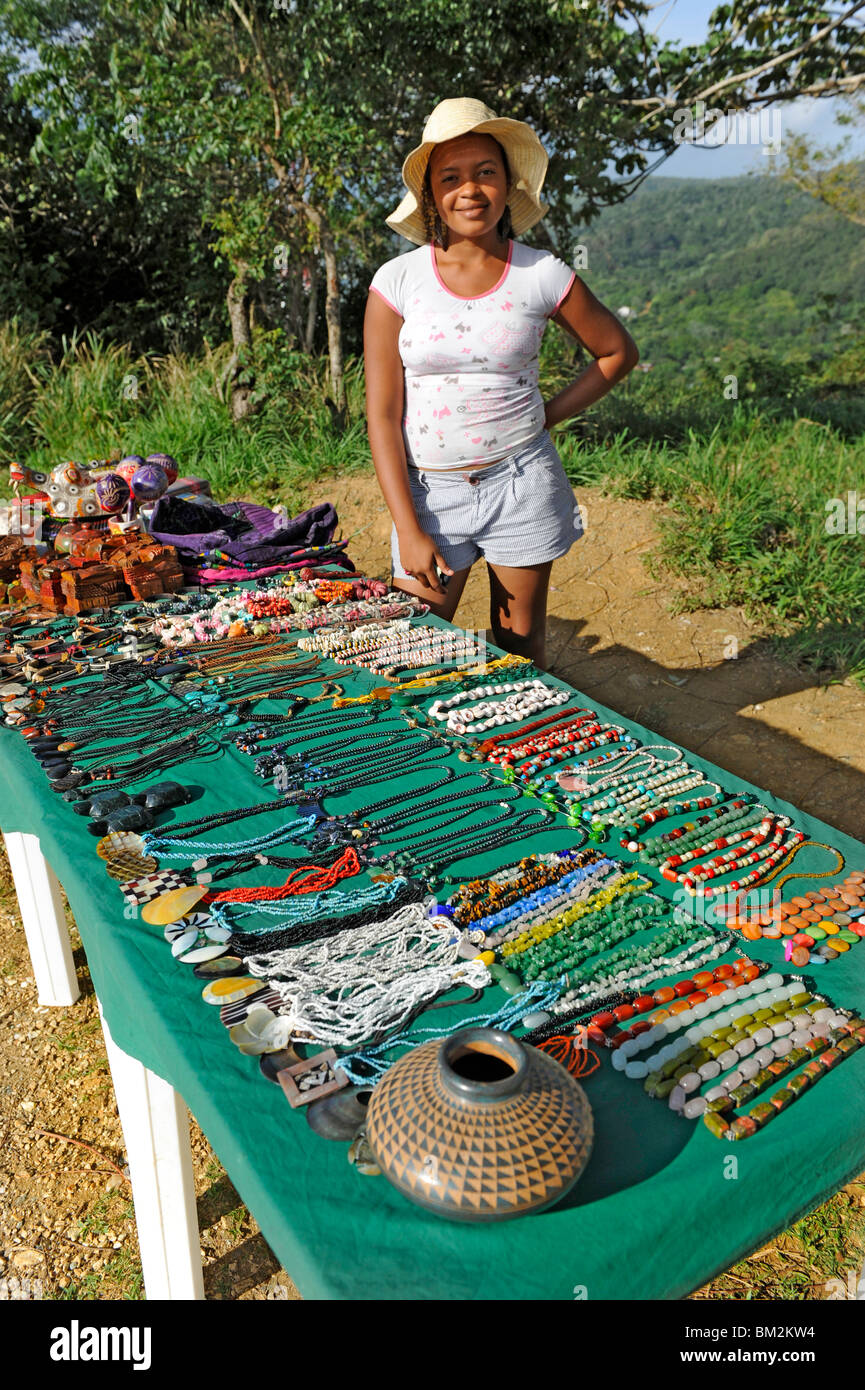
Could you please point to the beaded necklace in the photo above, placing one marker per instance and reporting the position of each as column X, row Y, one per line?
column 522, row 697
column 654, row 848
column 618, row 769
column 571, row 947
column 783, row 1026
column 366, row 1067
column 521, row 747
column 602, row 1026
column 367, row 981
column 840, row 1043
column 162, row 844
column 724, row 1002
column 413, row 759
column 483, row 901
column 787, row 1032
column 265, row 726
column 320, row 915
column 306, row 878
column 430, row 869
column 643, row 968
column 537, row 936
column 549, row 722
column 614, row 808
column 546, row 905
column 748, row 851
column 608, row 733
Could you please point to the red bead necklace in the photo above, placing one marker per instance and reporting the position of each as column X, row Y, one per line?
column 312, row 880
column 501, row 740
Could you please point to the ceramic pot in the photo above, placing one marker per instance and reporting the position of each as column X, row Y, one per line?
column 479, row 1127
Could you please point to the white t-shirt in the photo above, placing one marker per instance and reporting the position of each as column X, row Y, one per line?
column 471, row 364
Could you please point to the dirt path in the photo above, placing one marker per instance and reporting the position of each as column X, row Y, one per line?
column 66, row 1221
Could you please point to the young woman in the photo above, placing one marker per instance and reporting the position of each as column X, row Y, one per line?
column 458, row 429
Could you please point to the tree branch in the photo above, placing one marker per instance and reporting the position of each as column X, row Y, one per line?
column 803, row 47
column 836, row 86
column 265, row 67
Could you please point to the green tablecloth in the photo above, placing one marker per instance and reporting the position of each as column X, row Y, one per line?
column 656, row 1213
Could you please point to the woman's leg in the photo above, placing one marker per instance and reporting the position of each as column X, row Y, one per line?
column 518, row 609
column 443, row 605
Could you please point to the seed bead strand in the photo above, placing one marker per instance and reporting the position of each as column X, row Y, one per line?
column 365, row 982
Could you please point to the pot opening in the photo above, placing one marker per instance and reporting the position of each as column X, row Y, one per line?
column 477, row 1063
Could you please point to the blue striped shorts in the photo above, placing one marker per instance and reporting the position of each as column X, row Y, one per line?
column 517, row 512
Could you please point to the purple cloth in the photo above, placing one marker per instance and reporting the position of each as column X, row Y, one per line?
column 202, row 574
column 250, row 534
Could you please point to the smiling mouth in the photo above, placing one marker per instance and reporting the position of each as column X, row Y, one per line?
column 473, row 211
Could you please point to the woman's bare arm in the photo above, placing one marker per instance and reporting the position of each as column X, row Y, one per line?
column 602, row 335
column 385, row 390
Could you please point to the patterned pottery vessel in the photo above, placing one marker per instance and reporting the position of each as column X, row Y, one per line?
column 479, row 1127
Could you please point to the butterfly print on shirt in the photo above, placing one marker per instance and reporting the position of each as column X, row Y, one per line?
column 504, row 338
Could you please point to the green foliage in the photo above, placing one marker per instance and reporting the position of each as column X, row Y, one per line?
column 725, row 272
column 745, row 523
column 23, row 363
column 135, row 136
column 85, row 410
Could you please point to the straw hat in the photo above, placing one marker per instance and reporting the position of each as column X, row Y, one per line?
column 457, row 116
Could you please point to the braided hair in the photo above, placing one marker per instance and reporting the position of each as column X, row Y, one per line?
column 438, row 231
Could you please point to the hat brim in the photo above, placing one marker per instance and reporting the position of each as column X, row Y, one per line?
column 528, row 160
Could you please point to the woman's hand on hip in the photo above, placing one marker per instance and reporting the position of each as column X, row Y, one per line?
column 419, row 559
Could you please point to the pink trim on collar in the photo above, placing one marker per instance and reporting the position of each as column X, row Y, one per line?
column 465, row 297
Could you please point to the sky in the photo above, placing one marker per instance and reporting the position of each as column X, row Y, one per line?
column 687, row 21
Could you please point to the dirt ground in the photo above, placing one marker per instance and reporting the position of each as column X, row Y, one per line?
column 67, row 1226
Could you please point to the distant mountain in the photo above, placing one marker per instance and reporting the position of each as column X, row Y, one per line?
column 747, row 262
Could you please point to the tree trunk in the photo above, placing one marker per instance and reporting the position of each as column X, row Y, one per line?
column 336, row 403
column 312, row 309
column 238, row 300
column 337, row 406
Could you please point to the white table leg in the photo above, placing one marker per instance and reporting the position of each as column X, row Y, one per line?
column 156, row 1131
column 44, row 923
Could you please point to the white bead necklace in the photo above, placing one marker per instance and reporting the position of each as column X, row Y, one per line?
column 521, row 698
column 345, row 989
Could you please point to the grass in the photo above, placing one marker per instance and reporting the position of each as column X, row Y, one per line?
column 746, row 526
column 122, row 1273
column 813, row 1259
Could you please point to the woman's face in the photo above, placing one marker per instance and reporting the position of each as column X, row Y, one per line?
column 467, row 176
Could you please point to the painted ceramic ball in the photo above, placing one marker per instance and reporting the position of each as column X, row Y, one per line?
column 128, row 465
column 148, row 482
column 112, row 492
column 166, row 463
